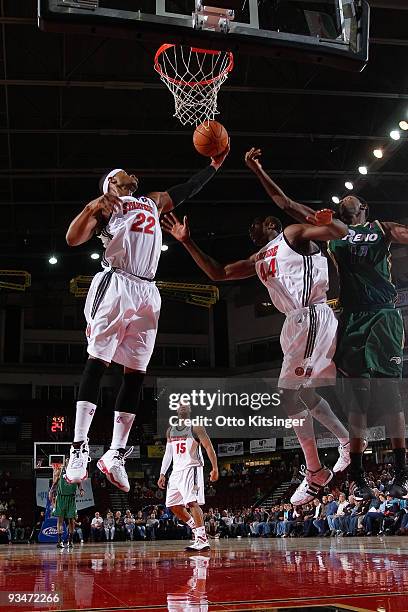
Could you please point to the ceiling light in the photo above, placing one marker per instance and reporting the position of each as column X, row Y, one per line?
column 95, row 256
column 165, row 247
column 336, row 200
column 349, row 185
column 404, row 125
column 378, row 153
column 363, row 170
column 53, row 260
column 395, row 134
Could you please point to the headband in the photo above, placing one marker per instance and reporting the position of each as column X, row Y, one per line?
column 112, row 173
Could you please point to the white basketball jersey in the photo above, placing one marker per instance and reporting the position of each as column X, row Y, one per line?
column 292, row 279
column 186, row 449
column 133, row 237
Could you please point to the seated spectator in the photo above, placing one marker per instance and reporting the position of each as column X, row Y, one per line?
column 320, row 521
column 78, row 529
column 308, row 518
column 5, row 527
column 285, row 526
column 152, row 524
column 130, row 523
column 339, row 521
column 36, row 529
column 120, row 531
column 375, row 515
column 331, row 512
column 19, row 531
column 140, row 525
column 97, row 528
column 109, row 527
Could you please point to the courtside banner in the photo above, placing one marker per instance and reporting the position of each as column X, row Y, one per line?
column 232, row 448
column 262, row 446
column 290, row 442
column 327, row 442
column 87, row 500
column 42, row 486
column 156, row 452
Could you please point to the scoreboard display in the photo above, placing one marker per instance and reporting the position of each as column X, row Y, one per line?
column 57, row 424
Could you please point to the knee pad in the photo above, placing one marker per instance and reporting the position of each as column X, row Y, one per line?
column 130, row 393
column 91, row 380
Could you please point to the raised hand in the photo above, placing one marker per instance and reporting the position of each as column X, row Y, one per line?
column 252, row 159
column 217, row 161
column 172, row 225
column 104, row 205
column 321, row 217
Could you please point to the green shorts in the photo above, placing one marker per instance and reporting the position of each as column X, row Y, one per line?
column 65, row 507
column 370, row 342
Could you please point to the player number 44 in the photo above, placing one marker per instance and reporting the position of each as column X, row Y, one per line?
column 143, row 224
column 267, row 271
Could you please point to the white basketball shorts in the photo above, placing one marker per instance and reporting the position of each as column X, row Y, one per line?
column 122, row 313
column 186, row 486
column 308, row 341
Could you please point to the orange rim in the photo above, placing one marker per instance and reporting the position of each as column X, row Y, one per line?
column 159, row 69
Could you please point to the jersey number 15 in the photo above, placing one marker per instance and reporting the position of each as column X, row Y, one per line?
column 180, row 448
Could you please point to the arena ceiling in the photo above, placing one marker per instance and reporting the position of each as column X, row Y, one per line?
column 73, row 106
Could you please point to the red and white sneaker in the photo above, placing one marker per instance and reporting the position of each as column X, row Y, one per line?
column 77, row 468
column 200, row 544
column 311, row 485
column 112, row 464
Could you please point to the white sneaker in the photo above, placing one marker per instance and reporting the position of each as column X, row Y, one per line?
column 311, row 485
column 112, row 464
column 199, row 544
column 78, row 463
column 344, row 457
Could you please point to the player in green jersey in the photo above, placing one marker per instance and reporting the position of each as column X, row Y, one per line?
column 371, row 334
column 62, row 495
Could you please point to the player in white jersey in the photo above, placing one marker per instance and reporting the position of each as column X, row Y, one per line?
column 123, row 305
column 185, row 488
column 291, row 266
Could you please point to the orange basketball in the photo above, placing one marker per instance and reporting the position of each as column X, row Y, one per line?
column 210, row 138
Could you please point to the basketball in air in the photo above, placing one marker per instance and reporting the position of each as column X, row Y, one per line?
column 210, row 138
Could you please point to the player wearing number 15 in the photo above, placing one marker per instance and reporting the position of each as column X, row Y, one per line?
column 123, row 305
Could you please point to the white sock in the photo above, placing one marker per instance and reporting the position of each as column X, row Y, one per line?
column 306, row 436
column 325, row 415
column 191, row 523
column 200, row 532
column 84, row 414
column 122, row 425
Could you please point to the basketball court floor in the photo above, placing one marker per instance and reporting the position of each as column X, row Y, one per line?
column 368, row 574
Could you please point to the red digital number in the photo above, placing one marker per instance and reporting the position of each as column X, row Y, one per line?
column 56, row 427
column 143, row 229
column 180, row 448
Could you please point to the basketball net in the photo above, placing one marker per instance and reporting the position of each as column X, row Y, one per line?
column 194, row 77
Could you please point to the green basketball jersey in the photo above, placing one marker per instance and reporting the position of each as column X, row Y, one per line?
column 64, row 488
column 363, row 261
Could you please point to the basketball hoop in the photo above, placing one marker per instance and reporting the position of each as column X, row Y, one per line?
column 194, row 77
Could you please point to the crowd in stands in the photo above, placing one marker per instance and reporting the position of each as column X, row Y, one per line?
column 334, row 513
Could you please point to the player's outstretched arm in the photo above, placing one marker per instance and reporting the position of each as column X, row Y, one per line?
column 173, row 197
column 294, row 209
column 321, row 227
column 84, row 226
column 209, row 449
column 216, row 271
column 395, row 232
column 166, row 463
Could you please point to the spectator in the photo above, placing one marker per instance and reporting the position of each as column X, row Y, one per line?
column 109, row 527
column 37, row 527
column 330, row 513
column 140, row 525
column 78, row 529
column 339, row 518
column 19, row 531
column 130, row 523
column 5, row 527
column 97, row 527
column 119, row 526
column 152, row 524
column 375, row 515
column 320, row 521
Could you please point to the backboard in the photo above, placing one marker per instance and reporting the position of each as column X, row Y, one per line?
column 48, row 453
column 328, row 32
